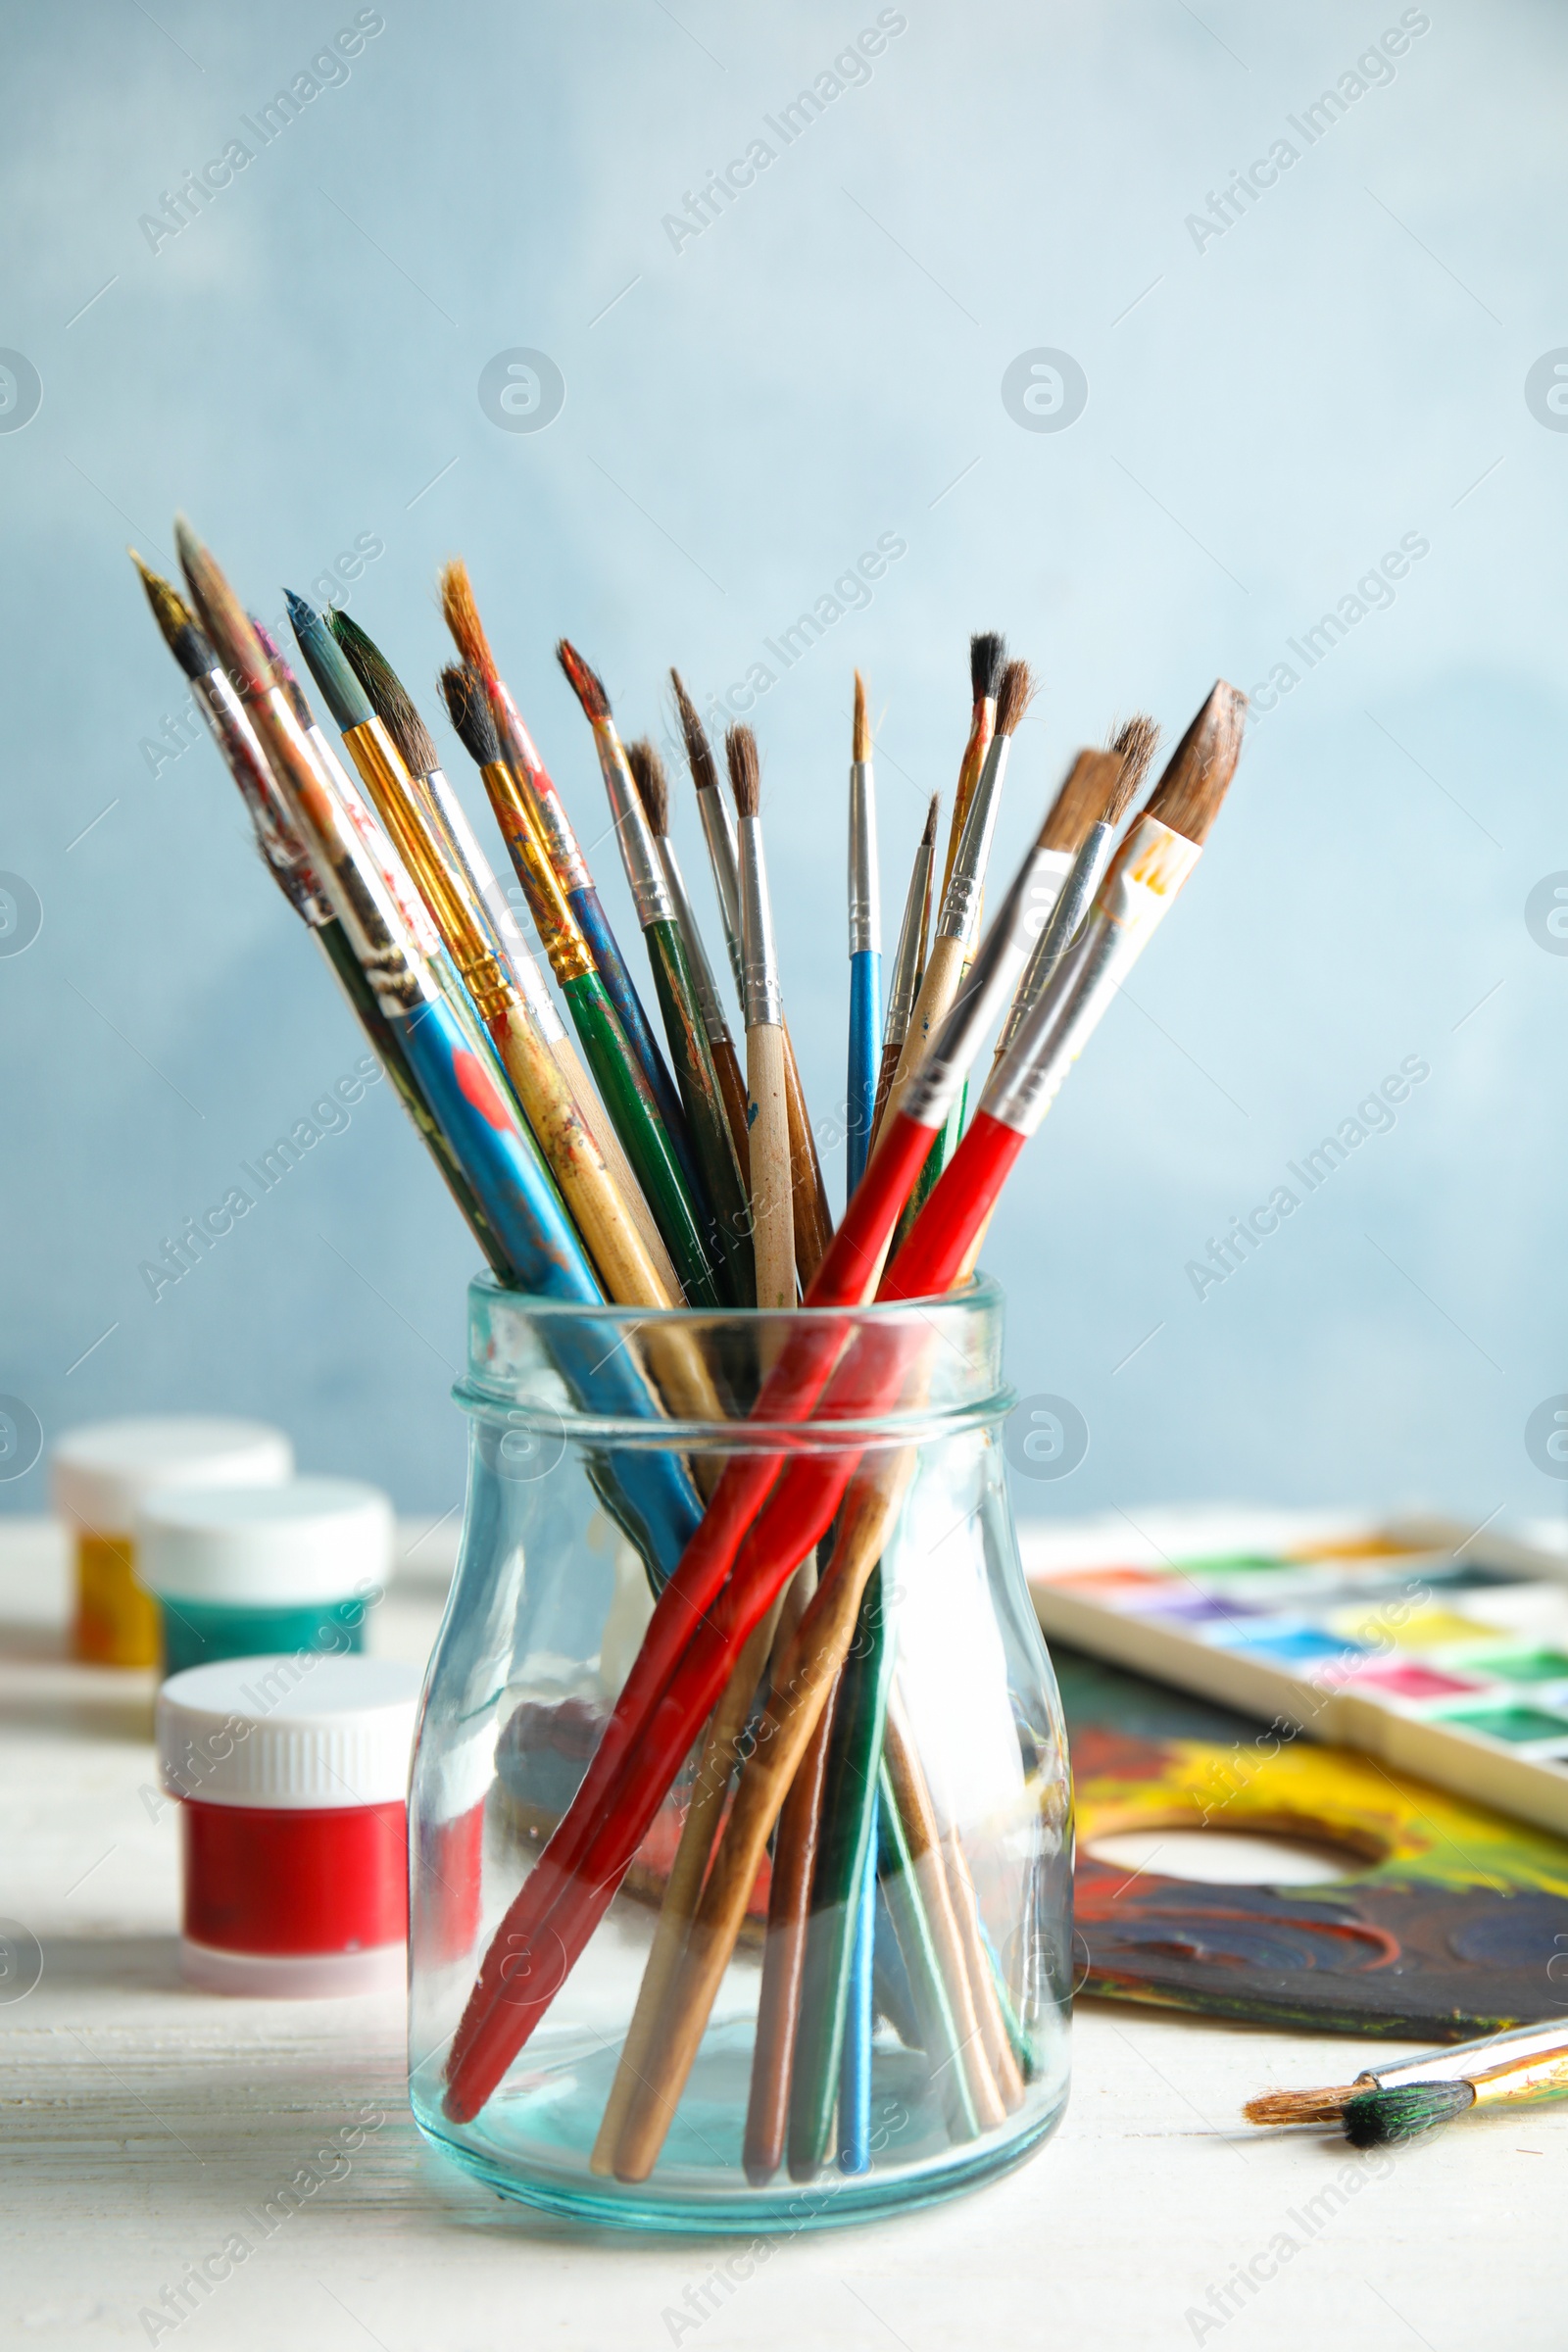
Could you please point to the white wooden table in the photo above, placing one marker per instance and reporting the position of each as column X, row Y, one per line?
column 144, row 2122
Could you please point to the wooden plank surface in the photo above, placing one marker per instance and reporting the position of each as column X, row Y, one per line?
column 146, row 2126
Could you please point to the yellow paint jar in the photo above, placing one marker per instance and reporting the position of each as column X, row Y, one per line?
column 100, row 1475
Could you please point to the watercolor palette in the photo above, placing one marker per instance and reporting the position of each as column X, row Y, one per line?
column 1438, row 1648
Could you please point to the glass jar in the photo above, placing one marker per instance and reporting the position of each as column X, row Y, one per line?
column 752, row 1909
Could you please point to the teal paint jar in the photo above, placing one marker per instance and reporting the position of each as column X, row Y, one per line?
column 244, row 1572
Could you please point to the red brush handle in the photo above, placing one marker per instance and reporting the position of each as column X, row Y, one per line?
column 539, row 1942
column 789, row 1394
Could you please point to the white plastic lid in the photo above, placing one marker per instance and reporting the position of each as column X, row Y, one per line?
column 312, row 1539
column 102, row 1472
column 306, row 1732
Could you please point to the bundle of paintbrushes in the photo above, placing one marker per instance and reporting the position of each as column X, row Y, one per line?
column 661, row 1156
column 1390, row 2103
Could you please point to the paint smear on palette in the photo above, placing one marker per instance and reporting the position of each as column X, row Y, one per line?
column 1416, row 1681
column 1431, row 1629
column 1518, row 1726
column 1443, row 1925
column 1535, row 1666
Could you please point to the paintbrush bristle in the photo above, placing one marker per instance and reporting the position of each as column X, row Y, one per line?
column 1375, row 2118
column 745, row 770
column 929, row 836
column 1081, row 803
column 389, row 696
column 1300, row 2106
column 469, row 713
column 585, row 683
column 1197, row 774
column 221, row 612
column 170, row 609
column 860, row 747
column 461, row 613
column 699, row 752
column 1014, row 693
column 1137, row 742
column 988, row 649
column 653, row 785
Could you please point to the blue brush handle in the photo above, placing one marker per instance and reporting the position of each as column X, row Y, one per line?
column 525, row 1213
column 866, row 1055
column 859, row 2020
column 606, row 952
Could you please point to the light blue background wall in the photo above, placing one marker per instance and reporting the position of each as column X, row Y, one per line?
column 1268, row 413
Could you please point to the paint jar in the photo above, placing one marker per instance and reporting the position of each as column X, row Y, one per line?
column 238, row 1570
column 292, row 1776
column 101, row 1473
column 865, row 1798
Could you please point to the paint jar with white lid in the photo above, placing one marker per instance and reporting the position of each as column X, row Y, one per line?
column 100, row 1474
column 242, row 1570
column 292, row 1775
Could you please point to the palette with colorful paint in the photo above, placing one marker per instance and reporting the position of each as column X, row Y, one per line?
column 1441, row 1651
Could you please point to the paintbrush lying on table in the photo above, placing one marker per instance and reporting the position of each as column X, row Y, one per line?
column 1397, row 2102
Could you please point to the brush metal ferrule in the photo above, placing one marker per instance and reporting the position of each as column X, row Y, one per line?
column 1137, row 893
column 544, row 800
column 937, row 1083
column 1461, row 2062
column 1038, row 970
column 865, row 887
column 709, row 1001
column 350, row 865
column 723, row 855
column 909, row 957
column 492, row 908
column 275, row 831
column 381, row 771
column 560, row 935
column 961, row 901
column 645, row 874
column 761, row 994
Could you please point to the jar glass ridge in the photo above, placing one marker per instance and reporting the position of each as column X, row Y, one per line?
column 959, row 1780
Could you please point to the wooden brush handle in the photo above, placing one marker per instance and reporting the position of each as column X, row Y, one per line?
column 602, row 1127
column 772, row 1190
column 732, row 1085
column 802, row 1679
column 703, row 1102
column 944, row 971
column 813, row 1225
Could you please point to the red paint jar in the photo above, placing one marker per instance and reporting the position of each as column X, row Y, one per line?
column 292, row 1775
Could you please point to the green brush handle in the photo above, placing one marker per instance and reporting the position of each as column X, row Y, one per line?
column 635, row 1118
column 339, row 953
column 703, row 1106
column 849, row 1820
column 939, row 2034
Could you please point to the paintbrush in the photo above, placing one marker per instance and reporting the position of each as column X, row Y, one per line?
column 988, row 654
column 813, row 1226
column 655, row 1175
column 719, row 1187
column 653, row 790
column 1152, row 863
column 1387, row 2103
column 959, row 918
column 576, row 1876
column 652, row 1494
column 412, row 794
column 1081, row 807
column 554, row 828
column 767, row 1117
column 908, row 963
column 865, row 948
column 287, row 859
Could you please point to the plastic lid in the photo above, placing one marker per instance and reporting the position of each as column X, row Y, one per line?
column 102, row 1472
column 310, row 1731
column 312, row 1539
